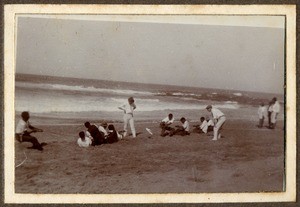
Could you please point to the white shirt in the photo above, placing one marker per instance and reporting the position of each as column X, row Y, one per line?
column 276, row 107
column 22, row 126
column 128, row 108
column 167, row 120
column 87, row 142
column 88, row 134
column 261, row 112
column 210, row 123
column 186, row 126
column 101, row 129
column 216, row 113
column 270, row 109
column 204, row 126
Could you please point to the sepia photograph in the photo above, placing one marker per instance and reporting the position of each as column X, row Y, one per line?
column 130, row 103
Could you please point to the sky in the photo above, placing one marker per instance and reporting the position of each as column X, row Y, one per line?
column 229, row 52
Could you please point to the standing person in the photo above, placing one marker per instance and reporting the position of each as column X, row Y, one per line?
column 270, row 109
column 182, row 130
column 83, row 141
column 165, row 125
column 219, row 120
column 275, row 112
column 24, row 129
column 93, row 131
column 261, row 114
column 128, row 116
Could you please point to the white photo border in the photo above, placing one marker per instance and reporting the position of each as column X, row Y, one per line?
column 10, row 12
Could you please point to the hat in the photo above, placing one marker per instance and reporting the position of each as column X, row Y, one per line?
column 209, row 107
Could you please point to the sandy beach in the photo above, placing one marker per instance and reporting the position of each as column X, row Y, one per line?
column 245, row 159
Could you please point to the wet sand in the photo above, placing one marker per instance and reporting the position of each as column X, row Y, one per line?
column 245, row 159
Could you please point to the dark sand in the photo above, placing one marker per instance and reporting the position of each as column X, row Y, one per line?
column 246, row 159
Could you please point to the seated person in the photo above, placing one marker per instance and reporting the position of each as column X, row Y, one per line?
column 102, row 128
column 93, row 131
column 182, row 130
column 83, row 141
column 24, row 129
column 165, row 125
column 112, row 134
column 206, row 126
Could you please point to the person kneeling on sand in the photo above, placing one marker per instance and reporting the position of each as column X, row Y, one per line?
column 113, row 135
column 103, row 128
column 83, row 141
column 94, row 133
column 206, row 126
column 219, row 120
column 182, row 130
column 165, row 125
column 24, row 129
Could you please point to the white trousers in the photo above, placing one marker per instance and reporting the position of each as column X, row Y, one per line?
column 274, row 117
column 129, row 118
column 217, row 127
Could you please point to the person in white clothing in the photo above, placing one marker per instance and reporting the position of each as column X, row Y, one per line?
column 165, row 125
column 205, row 126
column 24, row 130
column 182, row 130
column 83, row 140
column 275, row 112
column 219, row 120
column 261, row 114
column 103, row 128
column 270, row 109
column 128, row 116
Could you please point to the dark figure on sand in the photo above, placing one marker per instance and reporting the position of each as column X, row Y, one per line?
column 98, row 137
column 24, row 130
column 165, row 125
column 112, row 134
column 182, row 130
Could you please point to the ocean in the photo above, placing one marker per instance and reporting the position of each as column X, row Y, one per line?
column 48, row 94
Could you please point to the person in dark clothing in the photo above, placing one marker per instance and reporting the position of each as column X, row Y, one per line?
column 24, row 130
column 98, row 137
column 112, row 134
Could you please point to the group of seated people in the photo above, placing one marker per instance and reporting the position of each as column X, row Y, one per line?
column 184, row 129
column 97, row 135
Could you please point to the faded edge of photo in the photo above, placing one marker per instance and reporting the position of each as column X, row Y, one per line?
column 9, row 112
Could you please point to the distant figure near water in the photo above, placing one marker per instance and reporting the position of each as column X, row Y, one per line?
column 219, row 120
column 128, row 116
column 24, row 129
column 275, row 112
column 261, row 114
